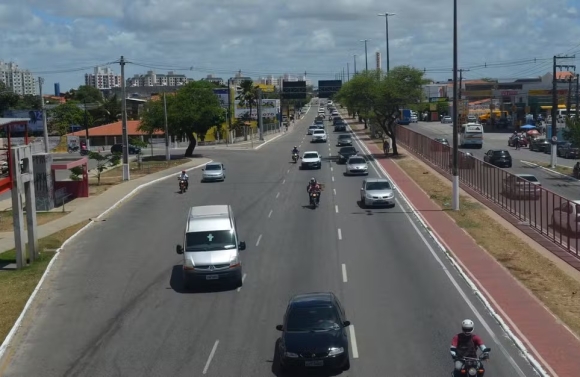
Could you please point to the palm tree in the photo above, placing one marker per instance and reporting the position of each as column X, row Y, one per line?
column 247, row 98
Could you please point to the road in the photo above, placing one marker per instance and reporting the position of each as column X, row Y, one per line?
column 538, row 213
column 114, row 306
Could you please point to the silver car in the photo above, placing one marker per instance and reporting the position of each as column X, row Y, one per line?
column 377, row 192
column 356, row 165
column 214, row 171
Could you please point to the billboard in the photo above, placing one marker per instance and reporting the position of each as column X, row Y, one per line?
column 294, row 89
column 222, row 95
column 266, row 88
column 328, row 88
column 270, row 109
column 34, row 124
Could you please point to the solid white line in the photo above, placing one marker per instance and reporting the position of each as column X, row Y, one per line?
column 336, row 208
column 284, row 181
column 344, row 278
column 277, row 195
column 288, row 171
column 353, row 345
column 469, row 281
column 339, row 234
column 270, row 214
column 212, row 353
column 259, row 239
column 243, row 278
column 333, row 179
column 334, row 191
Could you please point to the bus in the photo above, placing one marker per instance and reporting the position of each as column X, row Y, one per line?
column 471, row 135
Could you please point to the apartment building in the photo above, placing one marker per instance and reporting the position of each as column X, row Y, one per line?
column 20, row 81
column 103, row 78
column 154, row 79
column 214, row 80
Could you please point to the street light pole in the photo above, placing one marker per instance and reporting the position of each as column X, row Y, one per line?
column 455, row 201
column 366, row 55
column 354, row 59
column 44, row 122
column 386, row 15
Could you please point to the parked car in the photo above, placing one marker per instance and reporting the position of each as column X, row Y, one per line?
column 512, row 138
column 522, row 186
column 559, row 144
column 540, row 145
column 498, row 157
column 118, row 148
column 568, row 150
column 414, row 119
column 446, row 119
column 567, row 216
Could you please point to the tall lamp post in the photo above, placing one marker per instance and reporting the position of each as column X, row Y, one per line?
column 354, row 59
column 455, row 181
column 366, row 55
column 387, row 15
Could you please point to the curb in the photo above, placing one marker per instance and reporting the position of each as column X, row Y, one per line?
column 18, row 322
column 449, row 255
column 549, row 170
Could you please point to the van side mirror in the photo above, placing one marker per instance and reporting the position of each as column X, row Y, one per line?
column 242, row 245
column 279, row 327
column 179, row 249
column 202, row 169
column 346, row 323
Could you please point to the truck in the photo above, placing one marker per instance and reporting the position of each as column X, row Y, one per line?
column 405, row 117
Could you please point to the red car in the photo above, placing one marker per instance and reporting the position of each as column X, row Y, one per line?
column 523, row 141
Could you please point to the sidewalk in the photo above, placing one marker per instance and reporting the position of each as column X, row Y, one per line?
column 89, row 208
column 551, row 343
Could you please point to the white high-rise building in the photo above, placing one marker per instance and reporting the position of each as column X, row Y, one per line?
column 20, row 81
column 103, row 78
column 153, row 79
column 378, row 58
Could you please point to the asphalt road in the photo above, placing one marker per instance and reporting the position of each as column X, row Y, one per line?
column 490, row 182
column 114, row 306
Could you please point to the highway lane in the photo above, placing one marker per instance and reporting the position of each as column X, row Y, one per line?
column 115, row 307
column 567, row 187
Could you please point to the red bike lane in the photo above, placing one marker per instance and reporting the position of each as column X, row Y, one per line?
column 550, row 342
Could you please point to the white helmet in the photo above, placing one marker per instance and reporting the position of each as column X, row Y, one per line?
column 467, row 326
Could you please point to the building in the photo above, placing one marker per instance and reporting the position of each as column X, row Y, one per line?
column 268, row 80
column 19, row 81
column 152, row 79
column 238, row 78
column 112, row 133
column 378, row 60
column 103, row 78
column 214, row 80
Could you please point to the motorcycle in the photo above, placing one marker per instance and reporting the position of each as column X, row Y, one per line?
column 84, row 152
column 472, row 366
column 295, row 157
column 73, row 149
column 182, row 186
column 314, row 199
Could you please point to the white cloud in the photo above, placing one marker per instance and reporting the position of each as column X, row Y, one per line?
column 263, row 37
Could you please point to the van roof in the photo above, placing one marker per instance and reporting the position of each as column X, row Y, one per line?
column 211, row 217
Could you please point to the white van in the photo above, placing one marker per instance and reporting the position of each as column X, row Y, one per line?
column 211, row 250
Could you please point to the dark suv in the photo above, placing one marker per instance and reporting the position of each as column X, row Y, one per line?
column 498, row 157
column 118, row 148
column 344, row 153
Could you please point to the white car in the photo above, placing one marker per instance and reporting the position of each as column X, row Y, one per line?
column 414, row 119
column 446, row 119
column 319, row 136
column 335, row 113
column 356, row 165
column 311, row 160
column 312, row 128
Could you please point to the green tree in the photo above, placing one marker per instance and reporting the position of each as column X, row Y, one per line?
column 248, row 97
column 572, row 131
column 136, row 141
column 28, row 102
column 8, row 99
column 104, row 161
column 88, row 94
column 194, row 109
column 64, row 116
column 382, row 97
column 108, row 110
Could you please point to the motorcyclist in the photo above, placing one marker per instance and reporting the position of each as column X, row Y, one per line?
column 184, row 177
column 465, row 344
column 295, row 151
column 313, row 186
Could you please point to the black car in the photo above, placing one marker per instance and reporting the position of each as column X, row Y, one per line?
column 498, row 157
column 118, row 148
column 344, row 139
column 540, row 145
column 345, row 152
column 340, row 127
column 568, row 150
column 559, row 145
column 314, row 333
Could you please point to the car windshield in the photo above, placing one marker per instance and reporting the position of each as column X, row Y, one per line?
column 344, row 137
column 501, row 153
column 310, row 155
column 529, row 178
column 319, row 131
column 314, row 126
column 312, row 319
column 356, row 161
column 378, row 186
column 208, row 241
column 213, row 167
column 347, row 150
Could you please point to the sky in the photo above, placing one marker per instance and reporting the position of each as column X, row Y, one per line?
column 61, row 40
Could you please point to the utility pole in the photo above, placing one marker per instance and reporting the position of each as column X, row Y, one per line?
column 260, row 122
column 569, row 97
column 126, row 170
column 229, row 112
column 44, row 122
column 577, row 95
column 366, row 54
column 347, row 72
column 354, row 59
column 455, row 173
column 555, row 69
column 387, row 15
column 86, row 121
column 167, row 154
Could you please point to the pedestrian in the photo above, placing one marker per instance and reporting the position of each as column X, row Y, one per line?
column 386, row 146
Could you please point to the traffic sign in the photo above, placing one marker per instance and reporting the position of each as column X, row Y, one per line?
column 555, row 139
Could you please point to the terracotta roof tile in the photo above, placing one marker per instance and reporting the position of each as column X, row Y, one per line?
column 115, row 129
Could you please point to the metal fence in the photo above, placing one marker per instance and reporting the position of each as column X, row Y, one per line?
column 550, row 214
